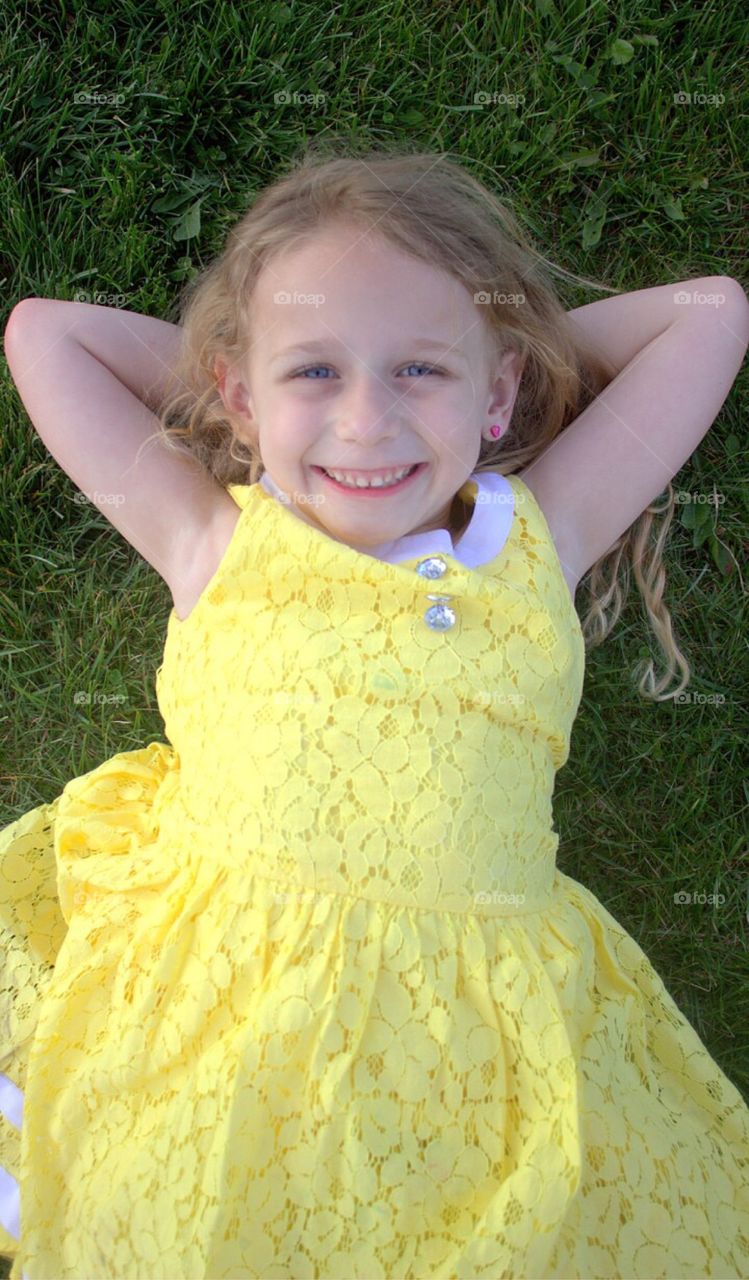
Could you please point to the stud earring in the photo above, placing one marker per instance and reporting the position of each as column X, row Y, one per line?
column 495, row 431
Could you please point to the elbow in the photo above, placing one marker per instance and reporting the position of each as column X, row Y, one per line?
column 725, row 298
column 21, row 308
column 732, row 290
column 18, row 321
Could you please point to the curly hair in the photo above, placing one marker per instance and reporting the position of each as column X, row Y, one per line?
column 433, row 208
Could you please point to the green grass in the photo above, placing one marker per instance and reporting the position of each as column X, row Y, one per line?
column 617, row 182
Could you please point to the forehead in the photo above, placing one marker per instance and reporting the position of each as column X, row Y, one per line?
column 356, row 273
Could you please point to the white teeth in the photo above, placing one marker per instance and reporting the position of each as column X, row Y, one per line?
column 358, row 482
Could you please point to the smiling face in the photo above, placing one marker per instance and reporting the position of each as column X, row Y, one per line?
column 373, row 361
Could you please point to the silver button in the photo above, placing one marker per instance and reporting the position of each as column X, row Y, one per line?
column 432, row 567
column 440, row 617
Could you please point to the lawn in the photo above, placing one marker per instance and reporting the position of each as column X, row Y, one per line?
column 131, row 141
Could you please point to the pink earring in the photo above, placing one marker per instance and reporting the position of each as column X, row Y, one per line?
column 495, row 431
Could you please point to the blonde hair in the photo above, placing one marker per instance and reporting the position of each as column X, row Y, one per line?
column 434, row 209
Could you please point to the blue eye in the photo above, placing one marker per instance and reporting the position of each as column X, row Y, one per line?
column 429, row 368
column 315, row 367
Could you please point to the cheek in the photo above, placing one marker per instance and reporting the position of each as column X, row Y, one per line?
column 292, row 425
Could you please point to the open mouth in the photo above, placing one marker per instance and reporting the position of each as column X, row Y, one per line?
column 389, row 482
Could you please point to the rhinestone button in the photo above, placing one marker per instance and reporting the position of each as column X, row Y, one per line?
column 440, row 617
column 432, row 567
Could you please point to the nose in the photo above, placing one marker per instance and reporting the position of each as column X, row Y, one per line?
column 367, row 412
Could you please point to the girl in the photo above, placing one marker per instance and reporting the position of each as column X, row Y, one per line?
column 302, row 993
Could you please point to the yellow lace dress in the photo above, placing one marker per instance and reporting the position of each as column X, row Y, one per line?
column 302, row 993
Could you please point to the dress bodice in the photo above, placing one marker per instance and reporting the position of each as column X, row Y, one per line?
column 328, row 714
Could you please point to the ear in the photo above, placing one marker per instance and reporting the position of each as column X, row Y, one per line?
column 236, row 399
column 232, row 390
column 505, row 384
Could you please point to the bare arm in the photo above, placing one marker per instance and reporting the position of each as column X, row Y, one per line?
column 622, row 326
column 139, row 350
column 599, row 474
column 88, row 406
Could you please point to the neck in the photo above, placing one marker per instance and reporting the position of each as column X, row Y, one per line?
column 460, row 516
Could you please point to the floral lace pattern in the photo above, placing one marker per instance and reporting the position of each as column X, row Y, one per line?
column 302, row 993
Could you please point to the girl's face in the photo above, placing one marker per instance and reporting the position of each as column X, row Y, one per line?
column 367, row 360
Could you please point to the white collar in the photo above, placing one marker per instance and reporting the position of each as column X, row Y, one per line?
column 482, row 540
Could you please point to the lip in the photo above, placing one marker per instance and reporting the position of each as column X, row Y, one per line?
column 378, row 492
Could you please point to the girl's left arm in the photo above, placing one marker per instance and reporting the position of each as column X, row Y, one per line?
column 677, row 349
column 619, row 327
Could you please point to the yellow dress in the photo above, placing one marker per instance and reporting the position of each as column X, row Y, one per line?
column 302, row 993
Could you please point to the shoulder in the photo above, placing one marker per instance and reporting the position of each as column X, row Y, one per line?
column 555, row 510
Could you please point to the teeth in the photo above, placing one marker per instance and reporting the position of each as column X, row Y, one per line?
column 358, row 482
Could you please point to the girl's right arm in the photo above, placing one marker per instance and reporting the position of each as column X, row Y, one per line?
column 87, row 375
column 139, row 350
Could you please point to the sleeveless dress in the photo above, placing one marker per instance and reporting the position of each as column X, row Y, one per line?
column 302, row 993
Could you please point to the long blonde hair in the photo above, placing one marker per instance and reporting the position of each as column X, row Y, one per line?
column 433, row 208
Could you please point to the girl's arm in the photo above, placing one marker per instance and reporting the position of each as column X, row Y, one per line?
column 677, row 363
column 85, row 374
column 139, row 350
column 620, row 327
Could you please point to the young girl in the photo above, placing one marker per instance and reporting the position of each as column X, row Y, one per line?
column 302, row 993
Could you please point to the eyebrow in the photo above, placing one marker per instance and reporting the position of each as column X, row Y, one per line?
column 417, row 344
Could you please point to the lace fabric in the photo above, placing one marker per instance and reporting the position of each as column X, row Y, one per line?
column 302, row 993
